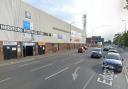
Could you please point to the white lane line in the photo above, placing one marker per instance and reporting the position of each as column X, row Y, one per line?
column 39, row 68
column 57, row 73
column 89, row 80
column 4, row 80
column 26, row 64
column 78, row 62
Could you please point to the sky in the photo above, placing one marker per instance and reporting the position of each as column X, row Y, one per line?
column 103, row 16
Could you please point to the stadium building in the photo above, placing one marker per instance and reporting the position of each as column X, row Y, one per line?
column 28, row 31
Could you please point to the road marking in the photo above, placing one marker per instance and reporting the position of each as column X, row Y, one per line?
column 89, row 80
column 105, row 81
column 106, row 78
column 4, row 80
column 78, row 62
column 39, row 68
column 57, row 73
column 26, row 64
column 75, row 74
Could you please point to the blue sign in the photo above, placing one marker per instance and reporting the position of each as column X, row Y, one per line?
column 26, row 25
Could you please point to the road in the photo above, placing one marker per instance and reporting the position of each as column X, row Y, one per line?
column 73, row 71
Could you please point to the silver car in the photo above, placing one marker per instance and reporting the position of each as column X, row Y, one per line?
column 96, row 53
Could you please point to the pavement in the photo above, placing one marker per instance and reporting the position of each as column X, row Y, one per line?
column 71, row 71
column 31, row 58
column 124, row 54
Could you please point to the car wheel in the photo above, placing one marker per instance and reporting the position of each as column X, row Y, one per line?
column 120, row 70
column 103, row 68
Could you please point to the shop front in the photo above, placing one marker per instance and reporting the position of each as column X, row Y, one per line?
column 41, row 48
column 9, row 50
column 28, row 48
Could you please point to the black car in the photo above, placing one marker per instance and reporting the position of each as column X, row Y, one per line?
column 113, row 61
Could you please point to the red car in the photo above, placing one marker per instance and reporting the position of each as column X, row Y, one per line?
column 81, row 50
column 85, row 47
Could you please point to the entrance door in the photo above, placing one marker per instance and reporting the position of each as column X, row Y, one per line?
column 10, row 52
column 41, row 49
column 13, row 52
column 29, row 50
column 7, row 52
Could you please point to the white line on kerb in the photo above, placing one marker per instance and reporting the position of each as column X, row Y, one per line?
column 6, row 79
column 89, row 80
column 57, row 73
column 39, row 68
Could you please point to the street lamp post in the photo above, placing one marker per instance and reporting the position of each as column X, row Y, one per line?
column 71, row 31
column 84, row 27
column 125, row 24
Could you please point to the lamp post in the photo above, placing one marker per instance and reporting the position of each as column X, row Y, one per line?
column 71, row 30
column 125, row 24
column 84, row 27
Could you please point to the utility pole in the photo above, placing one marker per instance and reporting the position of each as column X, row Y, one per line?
column 84, row 27
column 71, row 31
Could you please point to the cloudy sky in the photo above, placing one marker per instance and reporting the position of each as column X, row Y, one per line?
column 103, row 16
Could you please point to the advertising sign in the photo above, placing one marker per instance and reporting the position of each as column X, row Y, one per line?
column 26, row 25
column 41, row 43
column 9, row 43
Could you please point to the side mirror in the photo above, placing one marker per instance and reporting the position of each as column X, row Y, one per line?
column 122, row 59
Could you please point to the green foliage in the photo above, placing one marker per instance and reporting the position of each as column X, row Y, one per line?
column 122, row 39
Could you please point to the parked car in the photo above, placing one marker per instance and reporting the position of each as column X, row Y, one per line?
column 96, row 53
column 106, row 48
column 113, row 61
column 113, row 50
column 85, row 47
column 81, row 50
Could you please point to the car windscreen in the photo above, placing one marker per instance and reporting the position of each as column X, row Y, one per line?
column 96, row 50
column 113, row 51
column 111, row 56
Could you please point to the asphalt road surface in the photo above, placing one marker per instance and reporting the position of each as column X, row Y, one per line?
column 73, row 71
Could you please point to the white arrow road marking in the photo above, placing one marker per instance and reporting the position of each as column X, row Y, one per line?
column 75, row 74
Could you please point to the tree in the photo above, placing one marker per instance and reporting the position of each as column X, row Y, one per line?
column 122, row 39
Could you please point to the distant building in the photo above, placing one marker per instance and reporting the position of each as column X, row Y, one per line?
column 94, row 40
